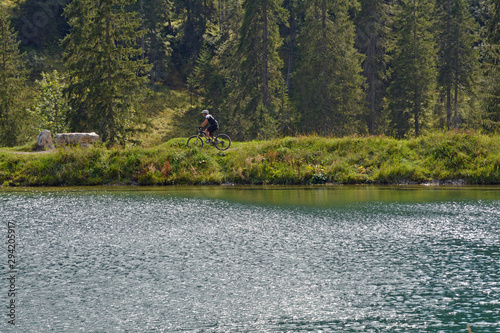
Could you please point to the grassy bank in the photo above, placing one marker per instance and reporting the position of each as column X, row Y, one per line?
column 450, row 157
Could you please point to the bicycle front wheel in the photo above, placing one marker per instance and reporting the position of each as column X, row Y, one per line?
column 222, row 142
column 195, row 141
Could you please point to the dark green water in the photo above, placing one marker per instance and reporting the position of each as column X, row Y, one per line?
column 253, row 259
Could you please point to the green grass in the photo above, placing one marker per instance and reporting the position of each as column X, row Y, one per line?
column 468, row 158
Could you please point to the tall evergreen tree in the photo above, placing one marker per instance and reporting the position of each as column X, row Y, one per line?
column 195, row 16
column 12, row 83
column 295, row 18
column 155, row 43
column 329, row 89
column 458, row 59
column 491, row 83
column 105, row 66
column 259, row 87
column 414, row 66
column 371, row 40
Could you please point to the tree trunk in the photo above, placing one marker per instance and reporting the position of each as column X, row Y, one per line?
column 290, row 52
column 448, row 105
column 110, row 115
column 142, row 28
column 455, row 115
column 265, row 70
column 417, row 95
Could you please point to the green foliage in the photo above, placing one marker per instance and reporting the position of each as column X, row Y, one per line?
column 259, row 88
column 51, row 104
column 372, row 40
column 207, row 81
column 156, row 42
column 491, row 83
column 105, row 70
column 458, row 60
column 330, row 93
column 264, row 70
column 13, row 92
column 410, row 93
column 461, row 157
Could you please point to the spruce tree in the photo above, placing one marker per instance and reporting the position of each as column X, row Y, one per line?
column 12, row 84
column 491, row 84
column 410, row 93
column 328, row 82
column 458, row 60
column 261, row 103
column 156, row 42
column 371, row 40
column 105, row 67
column 194, row 16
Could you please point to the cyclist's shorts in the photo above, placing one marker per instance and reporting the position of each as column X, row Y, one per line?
column 212, row 128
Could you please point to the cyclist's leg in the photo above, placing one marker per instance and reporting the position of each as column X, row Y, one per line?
column 211, row 130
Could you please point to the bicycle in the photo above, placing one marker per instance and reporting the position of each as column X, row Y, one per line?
column 221, row 141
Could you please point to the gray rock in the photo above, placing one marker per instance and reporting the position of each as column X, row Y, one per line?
column 74, row 139
column 44, row 141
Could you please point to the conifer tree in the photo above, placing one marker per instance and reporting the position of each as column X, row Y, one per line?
column 105, row 67
column 259, row 90
column 207, row 80
column 413, row 68
column 195, row 16
column 12, row 83
column 156, row 41
column 458, row 60
column 329, row 85
column 371, row 41
column 491, row 121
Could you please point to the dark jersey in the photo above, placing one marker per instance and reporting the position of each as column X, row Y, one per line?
column 211, row 120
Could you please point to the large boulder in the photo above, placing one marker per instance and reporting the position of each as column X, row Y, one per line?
column 44, row 141
column 75, row 139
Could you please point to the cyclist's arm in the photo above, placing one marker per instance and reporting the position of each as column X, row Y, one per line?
column 204, row 123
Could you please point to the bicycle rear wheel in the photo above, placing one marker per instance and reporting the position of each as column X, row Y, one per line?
column 222, row 142
column 195, row 141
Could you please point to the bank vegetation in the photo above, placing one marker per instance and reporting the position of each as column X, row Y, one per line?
column 439, row 158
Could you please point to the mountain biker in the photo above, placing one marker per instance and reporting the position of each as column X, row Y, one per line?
column 214, row 125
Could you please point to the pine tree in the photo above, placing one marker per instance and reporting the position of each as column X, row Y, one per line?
column 156, row 42
column 458, row 60
column 371, row 40
column 491, row 121
column 258, row 91
column 329, row 85
column 12, row 84
column 207, row 81
column 195, row 16
column 414, row 67
column 105, row 67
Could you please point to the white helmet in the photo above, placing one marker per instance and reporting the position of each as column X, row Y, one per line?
column 204, row 111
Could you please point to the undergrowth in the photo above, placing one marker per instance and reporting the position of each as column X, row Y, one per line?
column 469, row 158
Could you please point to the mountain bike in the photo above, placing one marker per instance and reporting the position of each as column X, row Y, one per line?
column 221, row 141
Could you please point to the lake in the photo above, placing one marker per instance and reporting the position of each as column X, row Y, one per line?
column 251, row 259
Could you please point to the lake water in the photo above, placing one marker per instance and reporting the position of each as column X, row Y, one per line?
column 252, row 259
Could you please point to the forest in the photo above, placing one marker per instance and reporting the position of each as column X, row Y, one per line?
column 264, row 68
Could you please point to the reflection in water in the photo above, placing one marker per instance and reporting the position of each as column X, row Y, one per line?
column 348, row 259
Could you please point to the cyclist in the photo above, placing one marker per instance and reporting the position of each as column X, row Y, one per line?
column 214, row 125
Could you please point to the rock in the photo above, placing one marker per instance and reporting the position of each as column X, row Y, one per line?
column 74, row 139
column 44, row 141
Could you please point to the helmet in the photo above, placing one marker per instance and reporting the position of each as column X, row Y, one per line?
column 204, row 111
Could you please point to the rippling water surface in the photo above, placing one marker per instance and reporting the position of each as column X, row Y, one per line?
column 346, row 259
